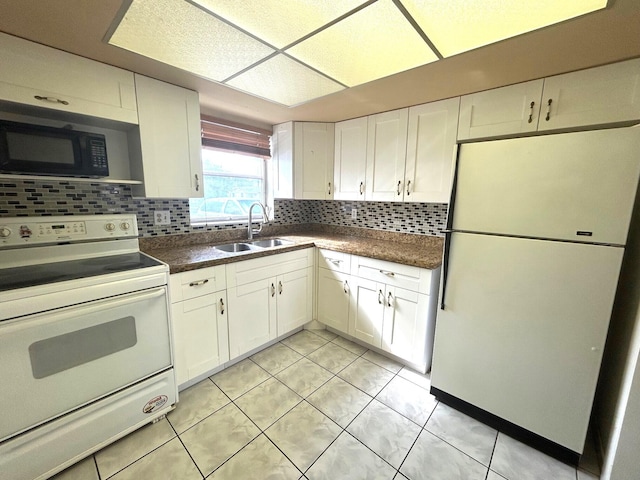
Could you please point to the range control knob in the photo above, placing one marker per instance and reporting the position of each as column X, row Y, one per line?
column 110, row 227
column 125, row 226
column 5, row 232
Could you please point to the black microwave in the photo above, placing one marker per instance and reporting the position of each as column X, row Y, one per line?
column 40, row 150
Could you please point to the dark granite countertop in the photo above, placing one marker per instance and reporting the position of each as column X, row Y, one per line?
column 192, row 251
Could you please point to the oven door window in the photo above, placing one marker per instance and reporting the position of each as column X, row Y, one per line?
column 57, row 361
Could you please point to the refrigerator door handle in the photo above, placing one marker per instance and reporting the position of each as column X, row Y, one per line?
column 445, row 265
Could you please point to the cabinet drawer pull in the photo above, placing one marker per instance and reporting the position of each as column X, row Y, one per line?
column 197, row 183
column 199, row 282
column 398, row 190
column 380, row 297
column 335, row 261
column 329, row 189
column 548, row 110
column 531, row 105
column 361, row 188
column 408, row 187
column 221, row 307
column 273, row 290
column 346, row 287
column 387, row 273
column 280, row 288
column 389, row 300
column 51, row 100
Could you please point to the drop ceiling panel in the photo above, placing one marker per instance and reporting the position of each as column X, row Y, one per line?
column 272, row 80
column 374, row 42
column 180, row 34
column 280, row 22
column 456, row 26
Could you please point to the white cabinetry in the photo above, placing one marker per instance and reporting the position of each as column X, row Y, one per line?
column 431, row 150
column 170, row 140
column 334, row 289
column 386, row 155
column 40, row 76
column 596, row 96
column 350, row 159
column 199, row 322
column 268, row 297
column 302, row 160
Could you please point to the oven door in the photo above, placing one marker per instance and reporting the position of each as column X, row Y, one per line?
column 57, row 361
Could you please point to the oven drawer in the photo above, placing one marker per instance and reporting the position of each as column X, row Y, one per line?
column 59, row 360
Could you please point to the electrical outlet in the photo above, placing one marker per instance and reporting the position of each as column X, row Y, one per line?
column 354, row 213
column 161, row 217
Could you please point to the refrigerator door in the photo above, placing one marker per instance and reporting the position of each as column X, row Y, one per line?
column 523, row 330
column 574, row 186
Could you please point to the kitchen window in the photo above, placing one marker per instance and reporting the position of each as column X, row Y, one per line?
column 234, row 164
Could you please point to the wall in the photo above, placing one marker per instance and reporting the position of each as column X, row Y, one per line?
column 46, row 198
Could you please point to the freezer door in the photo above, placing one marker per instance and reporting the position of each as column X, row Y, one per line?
column 575, row 186
column 523, row 329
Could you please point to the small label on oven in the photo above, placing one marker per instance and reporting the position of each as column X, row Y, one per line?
column 155, row 403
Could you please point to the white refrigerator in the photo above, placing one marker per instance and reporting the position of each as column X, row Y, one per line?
column 537, row 233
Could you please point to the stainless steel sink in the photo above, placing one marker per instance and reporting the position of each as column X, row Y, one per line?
column 273, row 242
column 233, row 247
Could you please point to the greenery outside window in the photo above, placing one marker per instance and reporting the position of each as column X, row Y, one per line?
column 234, row 161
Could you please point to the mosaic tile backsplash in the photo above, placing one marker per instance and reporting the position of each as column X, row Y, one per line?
column 46, row 198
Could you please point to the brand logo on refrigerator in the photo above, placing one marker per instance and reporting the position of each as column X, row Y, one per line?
column 155, row 404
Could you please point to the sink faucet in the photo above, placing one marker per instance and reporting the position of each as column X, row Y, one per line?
column 251, row 231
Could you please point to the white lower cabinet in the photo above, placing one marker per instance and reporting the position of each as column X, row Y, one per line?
column 334, row 293
column 199, row 322
column 268, row 297
column 367, row 311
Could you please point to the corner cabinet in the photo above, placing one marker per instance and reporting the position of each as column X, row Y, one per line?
column 199, row 322
column 302, row 160
column 268, row 297
column 40, row 76
column 169, row 160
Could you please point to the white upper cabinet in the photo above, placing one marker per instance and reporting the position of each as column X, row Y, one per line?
column 282, row 160
column 503, row 111
column 32, row 74
column 313, row 150
column 431, row 150
column 302, row 160
column 350, row 159
column 597, row 96
column 386, row 154
column 170, row 140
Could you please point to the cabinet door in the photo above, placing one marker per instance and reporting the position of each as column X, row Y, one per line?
column 406, row 318
column 294, row 299
column 170, row 139
column 609, row 94
column 502, row 111
column 200, row 335
column 313, row 160
column 386, row 155
column 34, row 74
column 252, row 316
column 334, row 294
column 431, row 150
column 282, row 160
column 367, row 309
column 350, row 159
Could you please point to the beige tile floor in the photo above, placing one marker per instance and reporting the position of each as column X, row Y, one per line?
column 317, row 406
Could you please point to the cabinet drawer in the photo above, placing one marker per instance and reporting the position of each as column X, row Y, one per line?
column 247, row 271
column 405, row 276
column 336, row 261
column 196, row 283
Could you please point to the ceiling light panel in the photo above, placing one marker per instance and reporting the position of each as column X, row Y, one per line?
column 375, row 42
column 280, row 22
column 283, row 80
column 456, row 26
column 180, row 34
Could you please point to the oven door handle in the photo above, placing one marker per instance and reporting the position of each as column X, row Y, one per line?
column 50, row 316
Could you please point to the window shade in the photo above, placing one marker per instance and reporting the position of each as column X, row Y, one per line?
column 218, row 133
